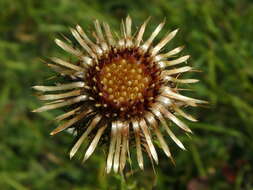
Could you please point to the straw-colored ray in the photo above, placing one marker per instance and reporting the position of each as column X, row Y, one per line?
column 137, row 132
column 79, row 142
column 97, row 104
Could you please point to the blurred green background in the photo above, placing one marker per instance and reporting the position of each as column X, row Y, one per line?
column 219, row 36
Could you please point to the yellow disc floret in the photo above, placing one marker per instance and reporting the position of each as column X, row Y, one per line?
column 124, row 81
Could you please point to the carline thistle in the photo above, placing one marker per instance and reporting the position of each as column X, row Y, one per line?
column 120, row 91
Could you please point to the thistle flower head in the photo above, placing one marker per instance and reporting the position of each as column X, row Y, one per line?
column 122, row 90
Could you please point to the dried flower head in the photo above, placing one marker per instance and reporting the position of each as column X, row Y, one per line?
column 120, row 91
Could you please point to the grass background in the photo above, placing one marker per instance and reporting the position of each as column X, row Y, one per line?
column 218, row 35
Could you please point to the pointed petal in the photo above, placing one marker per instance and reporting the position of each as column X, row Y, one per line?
column 176, row 80
column 84, row 36
column 123, row 29
column 164, row 64
column 60, row 96
column 99, row 30
column 157, row 113
column 61, row 70
column 59, row 87
column 138, row 143
column 147, row 148
column 128, row 26
column 141, row 32
column 68, row 114
column 185, row 115
column 147, row 44
column 148, row 137
column 121, row 42
column 128, row 31
column 128, row 154
column 100, row 36
column 93, row 46
column 163, row 42
column 94, row 143
column 125, row 137
column 152, row 121
column 90, row 127
column 62, row 104
column 177, row 70
column 68, row 48
column 169, row 54
column 118, row 146
column 54, row 102
column 69, row 123
column 82, row 42
column 169, row 93
column 174, row 62
column 174, row 119
column 108, row 34
column 111, row 148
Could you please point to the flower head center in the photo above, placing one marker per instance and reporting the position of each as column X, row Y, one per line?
column 124, row 82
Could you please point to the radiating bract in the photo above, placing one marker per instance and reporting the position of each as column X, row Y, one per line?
column 120, row 91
